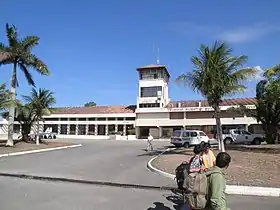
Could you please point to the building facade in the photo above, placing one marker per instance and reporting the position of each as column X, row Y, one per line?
column 153, row 113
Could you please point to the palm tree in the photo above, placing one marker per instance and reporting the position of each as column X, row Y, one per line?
column 216, row 74
column 19, row 54
column 41, row 102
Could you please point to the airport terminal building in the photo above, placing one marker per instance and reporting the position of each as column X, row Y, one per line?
column 154, row 113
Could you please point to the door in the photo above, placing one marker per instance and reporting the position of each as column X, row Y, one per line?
column 203, row 137
column 186, row 136
column 246, row 136
column 237, row 137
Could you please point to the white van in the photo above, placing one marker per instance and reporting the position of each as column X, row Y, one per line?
column 186, row 138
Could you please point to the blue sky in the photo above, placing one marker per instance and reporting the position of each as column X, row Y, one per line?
column 93, row 47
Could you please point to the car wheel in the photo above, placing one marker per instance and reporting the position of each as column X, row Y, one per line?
column 228, row 141
column 49, row 137
column 257, row 141
column 54, row 137
column 186, row 145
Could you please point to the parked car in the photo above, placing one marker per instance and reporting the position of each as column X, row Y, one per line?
column 187, row 138
column 241, row 136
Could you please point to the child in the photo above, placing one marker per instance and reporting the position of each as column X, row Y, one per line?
column 195, row 164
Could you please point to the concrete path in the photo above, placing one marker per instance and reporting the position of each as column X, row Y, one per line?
column 33, row 195
column 114, row 161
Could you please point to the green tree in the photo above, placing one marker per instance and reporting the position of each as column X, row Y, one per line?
column 217, row 74
column 41, row 102
column 267, row 104
column 91, row 103
column 5, row 97
column 38, row 104
column 19, row 54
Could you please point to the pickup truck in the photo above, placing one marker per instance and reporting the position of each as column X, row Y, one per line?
column 239, row 136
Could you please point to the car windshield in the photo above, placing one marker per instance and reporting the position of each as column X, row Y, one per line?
column 177, row 133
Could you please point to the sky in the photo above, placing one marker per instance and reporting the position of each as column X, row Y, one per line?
column 93, row 47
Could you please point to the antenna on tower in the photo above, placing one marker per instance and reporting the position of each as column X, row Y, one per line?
column 158, row 56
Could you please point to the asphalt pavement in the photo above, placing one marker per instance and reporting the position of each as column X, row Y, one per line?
column 114, row 161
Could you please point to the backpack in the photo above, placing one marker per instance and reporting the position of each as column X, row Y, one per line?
column 181, row 172
column 196, row 185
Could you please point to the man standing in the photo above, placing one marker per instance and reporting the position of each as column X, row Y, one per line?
column 217, row 183
column 208, row 157
column 150, row 140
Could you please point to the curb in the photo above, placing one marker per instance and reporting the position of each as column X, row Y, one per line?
column 39, row 150
column 230, row 189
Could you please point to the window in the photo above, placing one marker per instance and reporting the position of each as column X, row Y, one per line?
column 91, row 119
column 246, row 133
column 51, row 119
column 120, row 119
column 155, row 76
column 130, row 118
column 236, row 132
column 101, row 119
column 63, row 129
column 111, row 119
column 177, row 133
column 202, row 134
column 176, row 115
column 150, row 91
column 193, row 134
column 82, row 119
column 149, row 105
column 72, row 119
column 186, row 134
column 63, row 119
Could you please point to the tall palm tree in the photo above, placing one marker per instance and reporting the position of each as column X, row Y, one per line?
column 217, row 74
column 19, row 54
column 41, row 102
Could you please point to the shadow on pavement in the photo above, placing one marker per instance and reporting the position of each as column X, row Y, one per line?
column 173, row 197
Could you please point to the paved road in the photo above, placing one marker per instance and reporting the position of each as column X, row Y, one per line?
column 120, row 161
column 115, row 161
column 33, row 195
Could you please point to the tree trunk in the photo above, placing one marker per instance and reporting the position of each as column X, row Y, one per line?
column 26, row 128
column 219, row 129
column 38, row 131
column 10, row 141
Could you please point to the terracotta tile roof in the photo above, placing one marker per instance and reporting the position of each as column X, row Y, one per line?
column 95, row 110
column 152, row 66
column 204, row 103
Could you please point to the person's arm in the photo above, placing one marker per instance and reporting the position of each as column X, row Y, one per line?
column 216, row 199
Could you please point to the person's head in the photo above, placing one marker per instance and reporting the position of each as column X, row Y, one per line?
column 197, row 149
column 206, row 147
column 223, row 160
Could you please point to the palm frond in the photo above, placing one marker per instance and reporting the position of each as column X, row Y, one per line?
column 27, row 74
column 34, row 62
column 30, row 42
column 12, row 35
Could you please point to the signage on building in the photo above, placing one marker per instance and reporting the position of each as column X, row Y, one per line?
column 191, row 109
column 204, row 109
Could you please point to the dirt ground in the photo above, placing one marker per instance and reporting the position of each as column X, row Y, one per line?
column 22, row 146
column 251, row 165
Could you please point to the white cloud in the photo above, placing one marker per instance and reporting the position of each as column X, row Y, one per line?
column 248, row 33
column 260, row 71
column 235, row 35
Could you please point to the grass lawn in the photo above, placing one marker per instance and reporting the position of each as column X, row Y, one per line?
column 22, row 146
column 251, row 165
